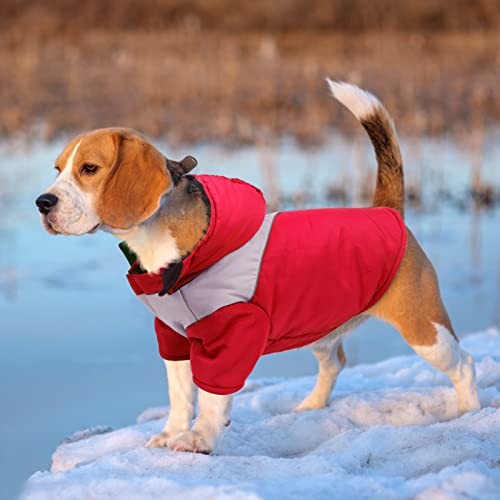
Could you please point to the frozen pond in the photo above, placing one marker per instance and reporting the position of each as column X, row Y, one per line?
column 78, row 349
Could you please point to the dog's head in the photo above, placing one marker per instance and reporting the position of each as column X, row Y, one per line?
column 112, row 178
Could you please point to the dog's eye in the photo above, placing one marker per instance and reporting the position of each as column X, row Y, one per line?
column 89, row 169
column 56, row 168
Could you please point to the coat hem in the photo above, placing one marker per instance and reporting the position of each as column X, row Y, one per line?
column 169, row 357
column 395, row 268
column 221, row 391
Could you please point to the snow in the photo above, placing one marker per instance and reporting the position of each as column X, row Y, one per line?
column 388, row 432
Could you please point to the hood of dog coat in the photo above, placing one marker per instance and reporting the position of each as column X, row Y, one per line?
column 237, row 210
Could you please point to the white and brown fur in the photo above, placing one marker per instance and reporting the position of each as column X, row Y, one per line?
column 115, row 180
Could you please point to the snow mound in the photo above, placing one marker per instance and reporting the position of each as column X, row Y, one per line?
column 388, row 433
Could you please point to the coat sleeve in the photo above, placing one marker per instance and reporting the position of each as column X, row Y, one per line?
column 226, row 345
column 172, row 345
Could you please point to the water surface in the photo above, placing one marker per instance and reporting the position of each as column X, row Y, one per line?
column 78, row 349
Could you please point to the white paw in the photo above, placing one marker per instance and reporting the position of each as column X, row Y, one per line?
column 470, row 404
column 159, row 440
column 309, row 404
column 190, row 441
column 467, row 396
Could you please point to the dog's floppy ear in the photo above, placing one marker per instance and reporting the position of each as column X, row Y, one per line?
column 133, row 188
column 178, row 168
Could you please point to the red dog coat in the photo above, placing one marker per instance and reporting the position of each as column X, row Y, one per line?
column 257, row 284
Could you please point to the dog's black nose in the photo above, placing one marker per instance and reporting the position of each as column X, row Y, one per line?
column 45, row 202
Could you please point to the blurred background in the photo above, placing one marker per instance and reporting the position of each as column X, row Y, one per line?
column 239, row 85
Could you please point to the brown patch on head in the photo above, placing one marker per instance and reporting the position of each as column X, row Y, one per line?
column 135, row 179
column 96, row 150
column 99, row 148
column 62, row 159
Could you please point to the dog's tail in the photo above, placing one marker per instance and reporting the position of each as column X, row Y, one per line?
column 389, row 191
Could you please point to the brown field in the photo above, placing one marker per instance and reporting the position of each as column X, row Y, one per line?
column 232, row 72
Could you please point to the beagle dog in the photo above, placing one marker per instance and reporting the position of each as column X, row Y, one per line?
column 217, row 271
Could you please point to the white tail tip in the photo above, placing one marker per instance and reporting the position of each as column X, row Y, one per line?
column 359, row 102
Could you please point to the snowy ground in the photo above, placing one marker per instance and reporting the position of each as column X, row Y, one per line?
column 388, row 433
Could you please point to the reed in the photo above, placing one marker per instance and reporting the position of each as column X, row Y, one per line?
column 190, row 86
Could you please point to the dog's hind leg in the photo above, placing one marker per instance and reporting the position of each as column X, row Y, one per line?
column 330, row 365
column 435, row 341
column 446, row 355
column 331, row 359
column 413, row 305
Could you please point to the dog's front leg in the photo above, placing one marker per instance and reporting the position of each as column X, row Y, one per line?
column 214, row 414
column 181, row 391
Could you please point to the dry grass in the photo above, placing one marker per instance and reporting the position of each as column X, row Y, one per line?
column 193, row 86
column 348, row 16
column 217, row 70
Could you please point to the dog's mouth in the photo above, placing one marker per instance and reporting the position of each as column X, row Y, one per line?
column 49, row 227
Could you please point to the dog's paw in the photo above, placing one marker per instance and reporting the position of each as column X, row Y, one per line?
column 190, row 441
column 309, row 404
column 303, row 407
column 159, row 440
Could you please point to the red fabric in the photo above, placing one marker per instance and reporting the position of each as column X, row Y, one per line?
column 172, row 346
column 320, row 268
column 226, row 345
